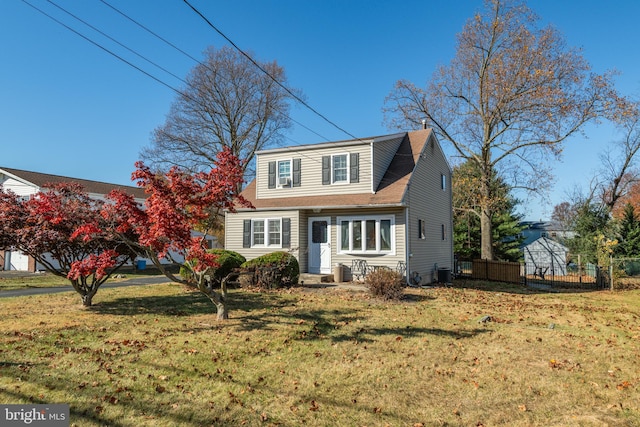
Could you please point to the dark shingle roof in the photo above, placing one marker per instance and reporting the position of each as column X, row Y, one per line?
column 40, row 179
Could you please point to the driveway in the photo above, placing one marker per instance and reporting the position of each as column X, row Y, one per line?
column 151, row 280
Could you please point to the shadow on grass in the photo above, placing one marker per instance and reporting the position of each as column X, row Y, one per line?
column 531, row 288
column 186, row 304
column 189, row 303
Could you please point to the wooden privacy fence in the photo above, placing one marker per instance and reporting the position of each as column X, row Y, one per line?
column 499, row 271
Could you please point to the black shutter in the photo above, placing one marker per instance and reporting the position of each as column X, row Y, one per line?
column 355, row 167
column 246, row 233
column 272, row 174
column 326, row 170
column 297, row 170
column 286, row 232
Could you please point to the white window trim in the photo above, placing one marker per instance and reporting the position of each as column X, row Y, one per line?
column 266, row 243
column 278, row 184
column 377, row 218
column 348, row 176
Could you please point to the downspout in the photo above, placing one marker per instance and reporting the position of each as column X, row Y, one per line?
column 407, row 237
column 407, row 244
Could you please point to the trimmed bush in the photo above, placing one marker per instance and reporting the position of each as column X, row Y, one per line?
column 228, row 261
column 274, row 270
column 384, row 283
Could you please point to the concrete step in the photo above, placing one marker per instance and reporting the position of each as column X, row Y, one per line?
column 308, row 278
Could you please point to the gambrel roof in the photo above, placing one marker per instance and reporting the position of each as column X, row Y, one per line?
column 38, row 180
column 390, row 191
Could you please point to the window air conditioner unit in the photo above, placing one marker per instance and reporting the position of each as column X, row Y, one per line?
column 285, row 182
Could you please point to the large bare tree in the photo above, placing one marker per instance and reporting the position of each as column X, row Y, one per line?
column 227, row 102
column 510, row 96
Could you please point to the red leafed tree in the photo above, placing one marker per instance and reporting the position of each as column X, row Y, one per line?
column 63, row 229
column 179, row 203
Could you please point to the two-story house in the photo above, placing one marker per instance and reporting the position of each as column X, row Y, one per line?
column 385, row 199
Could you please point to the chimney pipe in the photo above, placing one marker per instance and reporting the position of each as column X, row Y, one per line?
column 424, row 123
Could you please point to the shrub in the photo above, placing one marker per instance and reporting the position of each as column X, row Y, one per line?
column 274, row 270
column 385, row 283
column 228, row 261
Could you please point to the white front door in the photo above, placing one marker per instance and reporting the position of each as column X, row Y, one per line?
column 320, row 245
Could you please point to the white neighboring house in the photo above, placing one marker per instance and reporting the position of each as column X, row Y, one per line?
column 26, row 184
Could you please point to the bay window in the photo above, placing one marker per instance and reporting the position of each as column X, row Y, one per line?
column 368, row 234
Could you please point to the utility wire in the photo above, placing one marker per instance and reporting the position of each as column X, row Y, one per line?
column 106, row 50
column 116, row 41
column 296, row 97
column 136, row 53
column 150, row 31
column 198, row 61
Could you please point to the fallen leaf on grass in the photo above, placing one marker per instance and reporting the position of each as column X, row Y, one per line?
column 623, row 385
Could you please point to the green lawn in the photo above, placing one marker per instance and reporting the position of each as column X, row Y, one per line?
column 155, row 356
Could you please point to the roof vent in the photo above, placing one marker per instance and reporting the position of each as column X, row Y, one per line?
column 424, row 123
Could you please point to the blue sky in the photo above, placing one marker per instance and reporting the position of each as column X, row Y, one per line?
column 69, row 108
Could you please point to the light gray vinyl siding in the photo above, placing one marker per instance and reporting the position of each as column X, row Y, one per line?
column 233, row 232
column 383, row 153
column 429, row 202
column 311, row 172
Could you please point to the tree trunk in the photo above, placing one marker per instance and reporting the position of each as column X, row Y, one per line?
column 486, row 234
column 87, row 299
column 221, row 308
column 218, row 299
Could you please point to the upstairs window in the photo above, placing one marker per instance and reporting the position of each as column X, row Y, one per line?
column 284, row 174
column 340, row 168
column 443, row 181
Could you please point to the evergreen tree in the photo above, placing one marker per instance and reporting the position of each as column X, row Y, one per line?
column 629, row 233
column 507, row 233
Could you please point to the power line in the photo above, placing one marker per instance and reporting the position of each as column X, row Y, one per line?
column 150, row 31
column 296, row 97
column 197, row 60
column 116, row 41
column 155, row 64
column 105, row 49
column 136, row 53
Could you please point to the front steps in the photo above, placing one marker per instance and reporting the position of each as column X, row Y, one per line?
column 315, row 279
